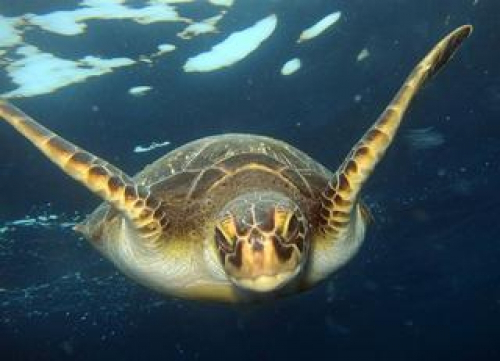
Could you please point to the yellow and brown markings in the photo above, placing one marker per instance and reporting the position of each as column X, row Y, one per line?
column 264, row 229
column 111, row 184
column 193, row 168
column 340, row 196
column 249, row 163
column 246, row 169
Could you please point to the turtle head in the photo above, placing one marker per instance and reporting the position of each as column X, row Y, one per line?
column 262, row 239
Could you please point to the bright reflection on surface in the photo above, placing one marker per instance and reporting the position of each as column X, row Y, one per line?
column 319, row 27
column 35, row 71
column 291, row 66
column 234, row 48
column 57, row 72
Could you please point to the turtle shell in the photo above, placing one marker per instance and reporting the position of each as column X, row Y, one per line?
column 196, row 180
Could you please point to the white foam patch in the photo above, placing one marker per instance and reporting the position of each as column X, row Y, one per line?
column 139, row 91
column 10, row 35
column 165, row 48
column 363, row 54
column 291, row 66
column 203, row 27
column 38, row 73
column 73, row 22
column 227, row 3
column 154, row 145
column 319, row 27
column 162, row 49
column 234, row 48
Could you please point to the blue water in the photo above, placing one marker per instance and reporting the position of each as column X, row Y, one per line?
column 426, row 283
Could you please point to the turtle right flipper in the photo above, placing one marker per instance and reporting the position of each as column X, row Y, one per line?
column 340, row 196
column 146, row 213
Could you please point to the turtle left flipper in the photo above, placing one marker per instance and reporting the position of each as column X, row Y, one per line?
column 339, row 199
column 136, row 202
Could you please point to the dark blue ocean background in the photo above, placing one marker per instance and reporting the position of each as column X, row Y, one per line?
column 426, row 283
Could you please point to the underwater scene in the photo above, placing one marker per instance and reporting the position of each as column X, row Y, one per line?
column 242, row 247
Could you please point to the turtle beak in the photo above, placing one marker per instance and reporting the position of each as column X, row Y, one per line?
column 262, row 262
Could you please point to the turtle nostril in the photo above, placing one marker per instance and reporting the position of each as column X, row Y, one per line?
column 256, row 241
column 257, row 245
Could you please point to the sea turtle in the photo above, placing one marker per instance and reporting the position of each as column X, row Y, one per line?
column 232, row 217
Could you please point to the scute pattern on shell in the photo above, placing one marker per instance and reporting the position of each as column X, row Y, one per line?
column 199, row 164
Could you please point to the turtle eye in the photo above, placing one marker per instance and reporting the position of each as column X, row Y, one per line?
column 288, row 225
column 225, row 244
column 292, row 229
column 225, row 234
column 295, row 232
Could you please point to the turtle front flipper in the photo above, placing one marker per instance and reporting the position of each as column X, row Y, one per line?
column 146, row 213
column 341, row 193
